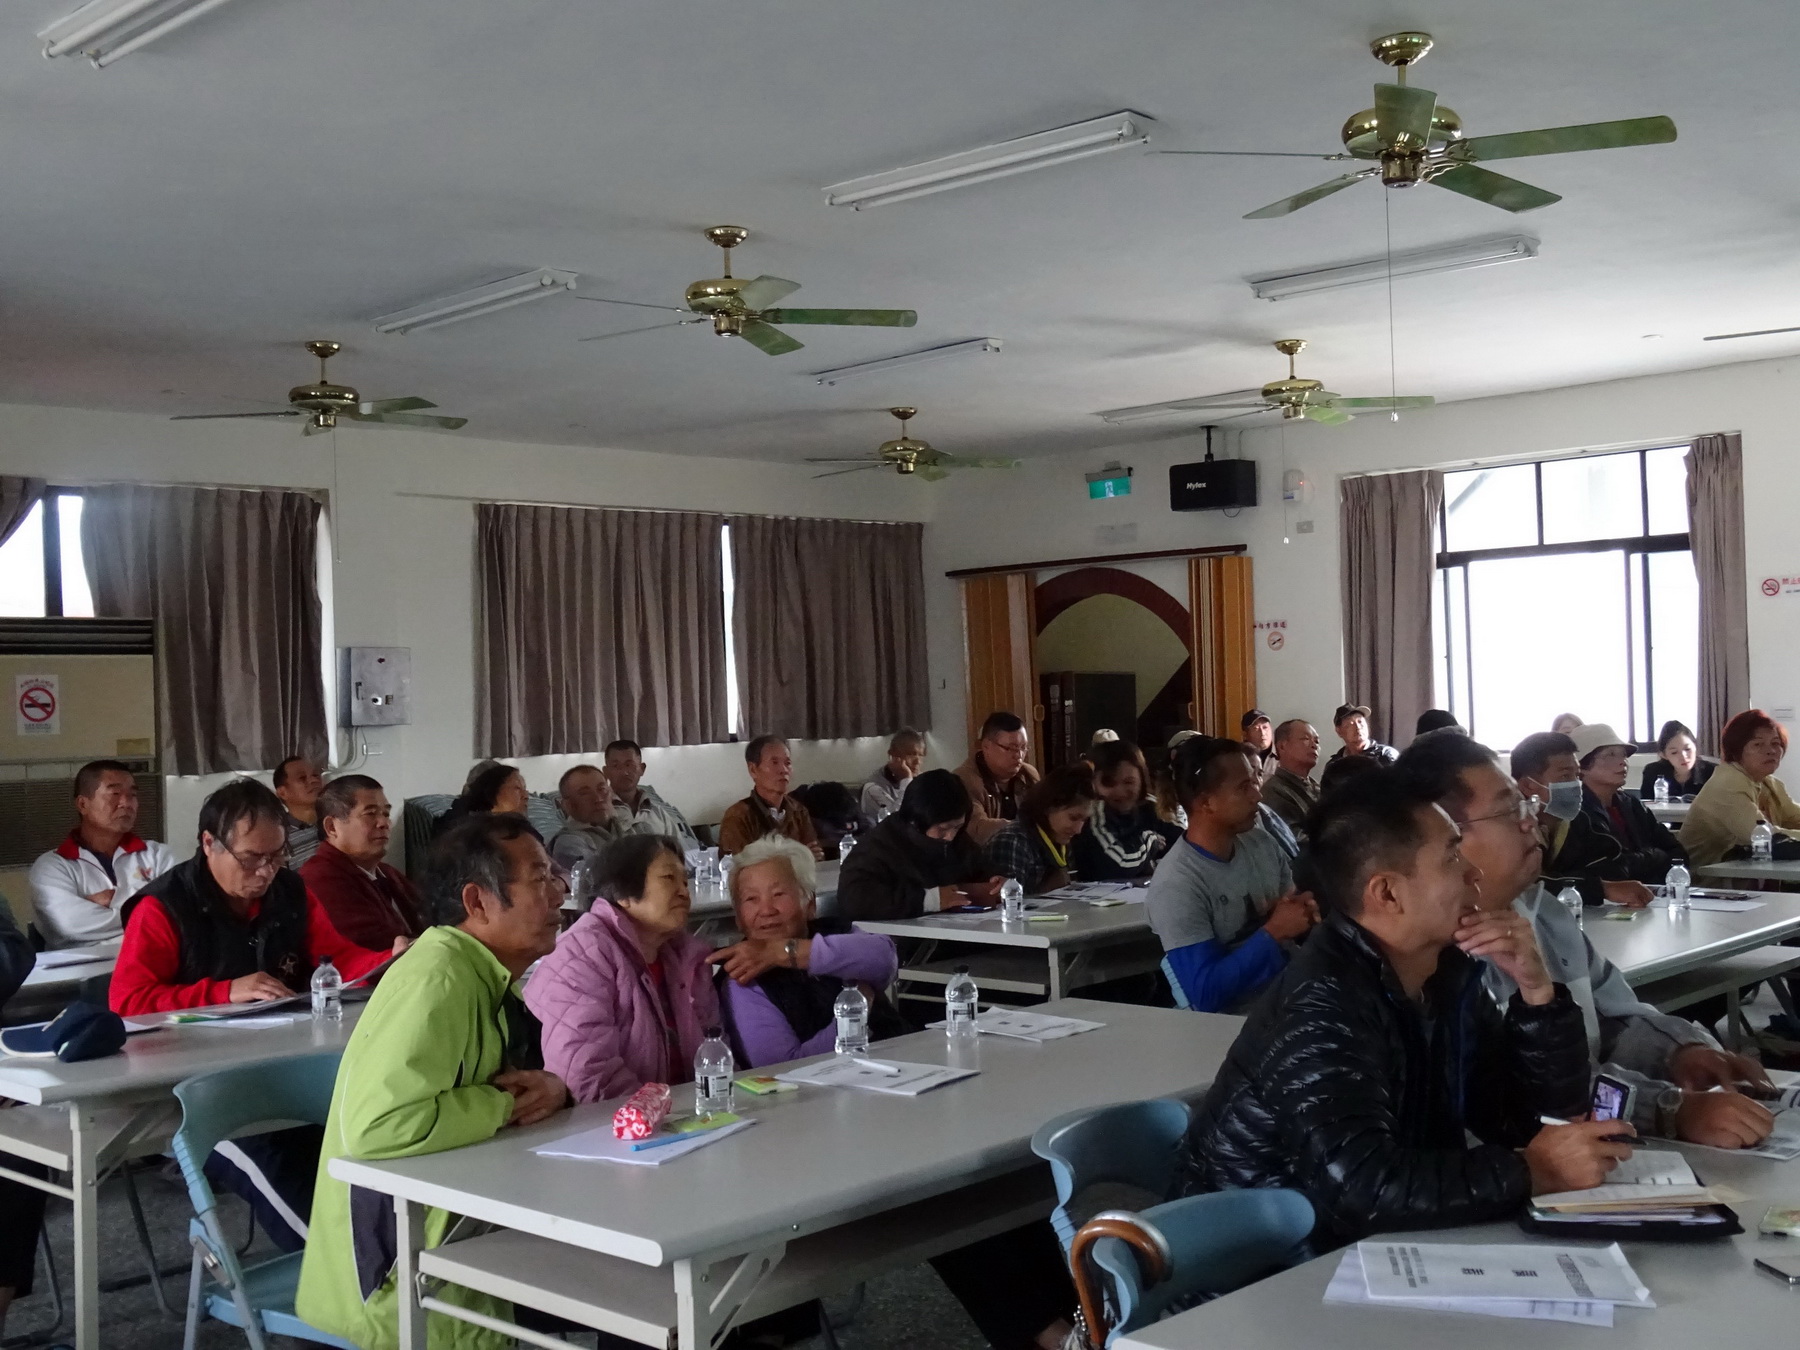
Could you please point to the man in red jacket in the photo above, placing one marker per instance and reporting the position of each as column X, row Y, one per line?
column 368, row 901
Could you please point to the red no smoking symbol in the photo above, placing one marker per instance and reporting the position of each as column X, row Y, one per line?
column 37, row 703
column 1771, row 586
column 1276, row 639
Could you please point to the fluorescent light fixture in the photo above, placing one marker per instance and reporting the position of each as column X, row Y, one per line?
column 483, row 300
column 1413, row 263
column 1115, row 131
column 105, row 30
column 970, row 347
column 1242, row 403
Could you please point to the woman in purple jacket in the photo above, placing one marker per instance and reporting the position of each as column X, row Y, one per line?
column 778, row 987
column 627, row 996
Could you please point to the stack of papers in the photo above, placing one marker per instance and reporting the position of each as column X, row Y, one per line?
column 875, row 1075
column 1098, row 893
column 1715, row 902
column 1783, row 1143
column 1563, row 1284
column 601, row 1145
column 74, row 956
column 1651, row 1186
column 1029, row 1026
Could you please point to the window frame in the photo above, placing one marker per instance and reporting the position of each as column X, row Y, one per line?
column 1635, row 548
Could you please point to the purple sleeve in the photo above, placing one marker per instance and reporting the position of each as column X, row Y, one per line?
column 866, row 957
column 763, row 1031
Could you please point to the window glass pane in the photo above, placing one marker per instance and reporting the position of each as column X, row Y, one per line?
column 1453, row 682
column 1674, row 640
column 22, row 569
column 1536, row 655
column 1596, row 497
column 1666, row 472
column 1490, row 508
column 77, row 599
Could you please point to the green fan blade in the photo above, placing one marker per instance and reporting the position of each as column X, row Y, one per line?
column 932, row 473
column 219, row 417
column 388, row 405
column 975, row 462
column 1496, row 189
column 408, row 420
column 1403, row 116
column 859, row 318
column 765, row 291
column 835, row 472
column 1289, row 205
column 771, row 340
column 1562, row 140
column 1329, row 416
column 1400, row 401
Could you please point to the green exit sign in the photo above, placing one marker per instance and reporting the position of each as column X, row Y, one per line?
column 1109, row 487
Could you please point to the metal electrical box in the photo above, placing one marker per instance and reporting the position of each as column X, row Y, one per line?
column 375, row 686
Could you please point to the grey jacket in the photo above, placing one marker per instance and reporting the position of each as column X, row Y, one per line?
column 1626, row 1036
column 654, row 816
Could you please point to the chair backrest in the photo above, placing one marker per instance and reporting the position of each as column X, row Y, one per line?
column 1110, row 1157
column 218, row 1105
column 1214, row 1243
column 1180, row 994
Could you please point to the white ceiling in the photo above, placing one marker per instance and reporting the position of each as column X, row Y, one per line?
column 172, row 226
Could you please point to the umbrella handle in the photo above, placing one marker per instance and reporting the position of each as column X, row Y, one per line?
column 1153, row 1260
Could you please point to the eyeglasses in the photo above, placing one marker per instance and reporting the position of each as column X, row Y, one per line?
column 259, row 862
column 1519, row 811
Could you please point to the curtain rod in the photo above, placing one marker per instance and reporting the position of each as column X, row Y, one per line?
column 660, row 510
column 1210, row 551
column 1513, row 458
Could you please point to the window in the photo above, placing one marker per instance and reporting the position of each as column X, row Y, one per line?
column 1568, row 586
column 41, row 570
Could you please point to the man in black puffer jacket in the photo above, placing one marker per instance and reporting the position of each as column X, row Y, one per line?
column 1360, row 1070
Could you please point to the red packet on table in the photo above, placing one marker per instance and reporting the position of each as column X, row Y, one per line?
column 642, row 1113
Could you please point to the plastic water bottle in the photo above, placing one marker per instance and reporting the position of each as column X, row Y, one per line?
column 1678, row 881
column 960, row 998
column 726, row 863
column 714, row 1066
column 851, row 1013
column 845, row 844
column 1570, row 899
column 1762, row 841
column 1012, row 901
column 328, row 993
column 1661, row 790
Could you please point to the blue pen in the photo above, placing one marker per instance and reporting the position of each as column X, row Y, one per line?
column 659, row 1140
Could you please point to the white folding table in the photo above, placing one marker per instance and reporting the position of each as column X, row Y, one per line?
column 1774, row 872
column 830, row 1185
column 1705, row 1292
column 83, row 1120
column 57, row 978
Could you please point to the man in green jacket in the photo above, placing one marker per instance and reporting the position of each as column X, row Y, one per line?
column 442, row 1057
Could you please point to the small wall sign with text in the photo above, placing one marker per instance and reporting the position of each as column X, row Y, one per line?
column 1774, row 586
column 1274, row 631
column 36, row 705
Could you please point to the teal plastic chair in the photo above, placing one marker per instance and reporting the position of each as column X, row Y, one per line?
column 215, row 1107
column 1133, row 1268
column 1111, row 1158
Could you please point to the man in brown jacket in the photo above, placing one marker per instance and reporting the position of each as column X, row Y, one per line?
column 768, row 809
column 997, row 775
column 368, row 901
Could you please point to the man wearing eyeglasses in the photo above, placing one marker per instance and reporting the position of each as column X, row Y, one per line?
column 1672, row 1061
column 232, row 924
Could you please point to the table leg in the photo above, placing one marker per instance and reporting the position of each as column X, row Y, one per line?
column 409, row 1225
column 1056, row 973
column 709, row 1295
column 1734, row 1021
column 84, row 1181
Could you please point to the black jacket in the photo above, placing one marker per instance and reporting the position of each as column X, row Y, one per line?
column 16, row 956
column 1118, row 847
column 1592, row 852
column 216, row 942
column 1341, row 1088
column 889, row 871
column 1661, row 768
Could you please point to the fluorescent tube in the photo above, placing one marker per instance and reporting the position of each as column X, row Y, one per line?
column 1115, row 131
column 1413, row 263
column 483, row 300
column 105, row 30
column 970, row 347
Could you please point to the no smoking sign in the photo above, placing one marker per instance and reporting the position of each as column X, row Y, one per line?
column 37, row 705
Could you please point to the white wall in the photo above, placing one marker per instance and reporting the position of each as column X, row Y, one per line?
column 403, row 574
column 1049, row 516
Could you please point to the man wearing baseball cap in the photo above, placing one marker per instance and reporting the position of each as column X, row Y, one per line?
column 1352, row 724
column 1259, row 740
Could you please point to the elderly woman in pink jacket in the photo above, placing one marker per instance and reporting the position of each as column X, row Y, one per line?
column 627, row 996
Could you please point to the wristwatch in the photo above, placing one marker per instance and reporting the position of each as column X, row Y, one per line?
column 1668, row 1105
column 791, row 949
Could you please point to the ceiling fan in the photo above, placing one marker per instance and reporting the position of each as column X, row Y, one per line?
column 323, row 403
column 909, row 456
column 1294, row 396
column 740, row 307
column 1416, row 139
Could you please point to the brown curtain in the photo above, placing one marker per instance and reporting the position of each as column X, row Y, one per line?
column 829, row 619
column 17, row 497
column 231, row 578
column 1715, row 496
column 596, row 625
column 1387, row 540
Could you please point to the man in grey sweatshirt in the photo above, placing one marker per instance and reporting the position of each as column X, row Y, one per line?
column 1672, row 1062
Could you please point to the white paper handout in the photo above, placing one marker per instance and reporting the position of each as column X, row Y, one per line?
column 1709, row 905
column 1031, row 1026
column 602, row 1145
column 1349, row 1286
column 876, row 1075
column 1652, row 1167
column 1414, row 1270
column 74, row 956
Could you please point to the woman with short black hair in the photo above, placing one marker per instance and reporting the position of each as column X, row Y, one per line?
column 923, row 845
column 1125, row 837
column 1034, row 849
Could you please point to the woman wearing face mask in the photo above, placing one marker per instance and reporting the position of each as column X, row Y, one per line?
column 1743, row 790
column 920, row 847
column 1125, row 838
column 1034, row 849
column 1577, row 851
column 1680, row 763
